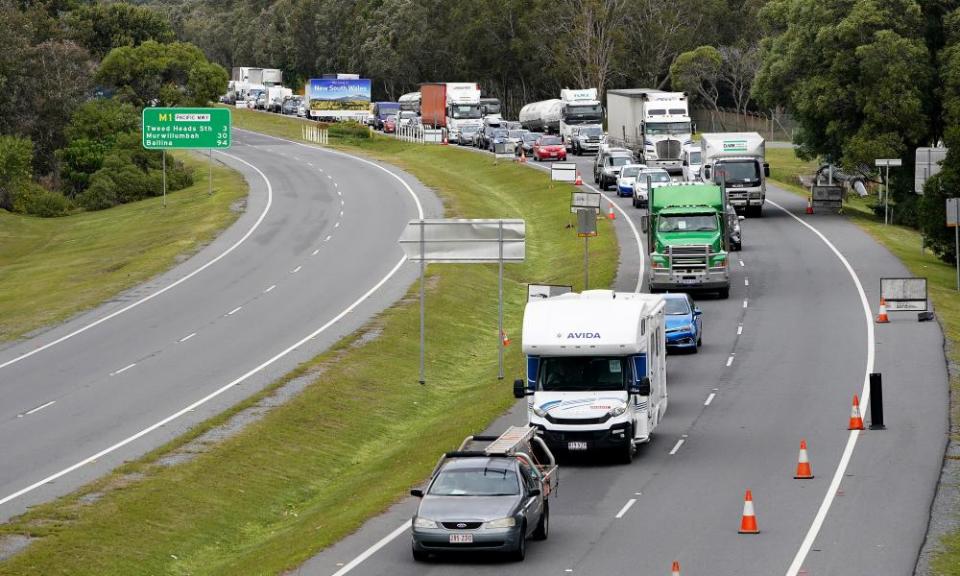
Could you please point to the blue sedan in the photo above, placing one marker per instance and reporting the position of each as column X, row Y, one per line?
column 684, row 322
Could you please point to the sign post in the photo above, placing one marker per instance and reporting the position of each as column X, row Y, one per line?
column 586, row 205
column 887, row 163
column 953, row 221
column 186, row 129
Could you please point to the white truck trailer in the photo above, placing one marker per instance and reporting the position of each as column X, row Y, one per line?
column 596, row 370
column 655, row 125
column 737, row 159
column 543, row 116
column 580, row 108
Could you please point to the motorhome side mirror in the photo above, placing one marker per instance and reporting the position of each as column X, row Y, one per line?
column 417, row 492
column 643, row 388
column 519, row 389
column 644, row 223
column 766, row 169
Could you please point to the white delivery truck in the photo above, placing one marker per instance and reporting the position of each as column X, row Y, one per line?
column 596, row 370
column 654, row 124
column 580, row 108
column 692, row 161
column 737, row 159
column 275, row 96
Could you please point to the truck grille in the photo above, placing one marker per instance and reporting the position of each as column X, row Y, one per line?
column 668, row 150
column 689, row 259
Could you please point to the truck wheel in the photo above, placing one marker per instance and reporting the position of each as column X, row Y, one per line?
column 626, row 453
column 724, row 293
column 521, row 552
column 543, row 527
column 756, row 211
column 636, row 204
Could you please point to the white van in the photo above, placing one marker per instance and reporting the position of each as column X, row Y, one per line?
column 596, row 370
column 692, row 160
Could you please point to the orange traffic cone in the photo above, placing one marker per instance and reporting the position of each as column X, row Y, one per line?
column 675, row 570
column 579, row 181
column 748, row 523
column 523, row 157
column 505, row 338
column 444, row 142
column 882, row 317
column 856, row 421
column 809, row 204
column 610, row 213
column 803, row 465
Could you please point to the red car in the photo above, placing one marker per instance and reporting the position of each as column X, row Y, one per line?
column 390, row 124
column 549, row 148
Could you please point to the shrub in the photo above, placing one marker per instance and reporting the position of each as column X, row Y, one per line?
column 101, row 194
column 16, row 155
column 349, row 130
column 35, row 200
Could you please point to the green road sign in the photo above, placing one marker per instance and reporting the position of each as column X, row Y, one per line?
column 165, row 128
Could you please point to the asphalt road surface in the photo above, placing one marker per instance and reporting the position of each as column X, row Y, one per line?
column 314, row 256
column 781, row 361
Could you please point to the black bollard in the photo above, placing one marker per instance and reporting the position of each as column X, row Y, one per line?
column 876, row 402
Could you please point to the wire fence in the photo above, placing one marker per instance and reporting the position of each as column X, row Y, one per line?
column 774, row 126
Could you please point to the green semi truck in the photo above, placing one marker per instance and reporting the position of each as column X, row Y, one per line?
column 688, row 239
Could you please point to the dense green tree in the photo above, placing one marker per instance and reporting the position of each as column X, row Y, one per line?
column 697, row 73
column 102, row 27
column 16, row 155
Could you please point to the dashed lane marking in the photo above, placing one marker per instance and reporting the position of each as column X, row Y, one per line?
column 124, row 369
column 710, row 398
column 677, row 446
column 187, row 337
column 626, row 507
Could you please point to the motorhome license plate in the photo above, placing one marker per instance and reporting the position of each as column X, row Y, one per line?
column 461, row 538
column 576, row 445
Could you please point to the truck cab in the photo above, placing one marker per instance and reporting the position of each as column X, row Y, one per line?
column 736, row 160
column 596, row 370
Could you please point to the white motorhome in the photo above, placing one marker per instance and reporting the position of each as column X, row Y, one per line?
column 596, row 369
column 739, row 160
column 654, row 124
column 543, row 116
column 692, row 161
column 580, row 108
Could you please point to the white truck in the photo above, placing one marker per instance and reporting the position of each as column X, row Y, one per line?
column 654, row 124
column 580, row 108
column 737, row 159
column 275, row 96
column 692, row 161
column 596, row 370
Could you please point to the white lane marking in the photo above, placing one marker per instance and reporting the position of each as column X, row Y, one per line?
column 120, row 371
column 373, row 549
column 342, row 202
column 268, row 290
column 329, row 176
column 310, row 164
column 626, row 507
column 746, row 281
column 315, row 252
column 320, row 169
column 744, row 303
column 169, row 286
column 250, row 373
column 339, row 193
column 335, row 185
column 37, row 409
column 741, row 263
column 327, row 239
column 341, row 213
column 818, row 520
column 710, row 398
column 234, row 311
column 729, row 361
column 739, row 330
column 677, row 446
column 337, row 225
column 187, row 337
column 297, row 269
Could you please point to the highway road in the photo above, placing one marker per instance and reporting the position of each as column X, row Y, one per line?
column 312, row 258
column 781, row 361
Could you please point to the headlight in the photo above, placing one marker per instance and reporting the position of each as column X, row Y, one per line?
column 420, row 522
column 614, row 412
column 540, row 413
column 501, row 523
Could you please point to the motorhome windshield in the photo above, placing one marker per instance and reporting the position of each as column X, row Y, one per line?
column 582, row 113
column 665, row 128
column 738, row 172
column 688, row 223
column 465, row 111
column 582, row 374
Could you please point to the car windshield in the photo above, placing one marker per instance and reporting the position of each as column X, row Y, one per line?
column 695, row 157
column 499, row 133
column 630, row 172
column 516, row 133
column 550, row 141
column 582, row 374
column 468, row 129
column 688, row 223
column 488, row 481
column 677, row 306
column 738, row 171
column 530, row 137
column 656, row 176
column 663, row 128
column 618, row 160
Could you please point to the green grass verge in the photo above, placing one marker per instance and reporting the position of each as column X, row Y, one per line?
column 362, row 432
column 53, row 268
column 904, row 243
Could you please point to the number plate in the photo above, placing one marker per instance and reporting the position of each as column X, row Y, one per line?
column 461, row 538
column 576, row 445
column 689, row 280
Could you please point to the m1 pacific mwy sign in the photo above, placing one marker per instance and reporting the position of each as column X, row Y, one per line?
column 186, row 128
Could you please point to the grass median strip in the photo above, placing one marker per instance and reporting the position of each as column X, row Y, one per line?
column 359, row 435
column 53, row 268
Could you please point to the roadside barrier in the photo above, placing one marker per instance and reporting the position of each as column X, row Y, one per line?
column 410, row 134
column 804, row 472
column 314, row 134
column 748, row 522
column 882, row 317
column 856, row 420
